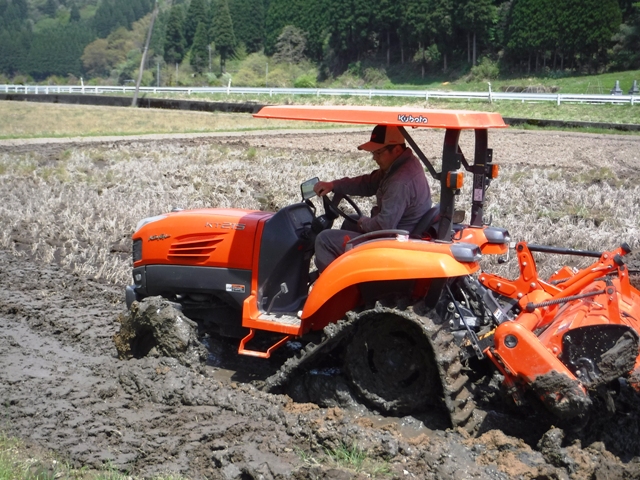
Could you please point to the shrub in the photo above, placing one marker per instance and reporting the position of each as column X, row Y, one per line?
column 22, row 79
column 248, row 78
column 306, row 80
column 212, row 80
column 252, row 71
column 375, row 77
column 487, row 69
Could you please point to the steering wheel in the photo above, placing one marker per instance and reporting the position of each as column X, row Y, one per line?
column 331, row 206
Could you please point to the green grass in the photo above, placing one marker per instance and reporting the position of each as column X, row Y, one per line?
column 565, row 82
column 348, row 457
column 583, row 84
column 352, row 457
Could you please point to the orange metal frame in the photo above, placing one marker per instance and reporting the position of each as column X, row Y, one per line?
column 533, row 354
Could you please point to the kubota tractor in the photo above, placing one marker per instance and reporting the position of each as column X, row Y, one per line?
column 400, row 312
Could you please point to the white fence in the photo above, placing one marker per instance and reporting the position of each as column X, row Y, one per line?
column 488, row 96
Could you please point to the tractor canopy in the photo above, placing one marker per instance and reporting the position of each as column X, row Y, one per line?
column 400, row 116
column 453, row 160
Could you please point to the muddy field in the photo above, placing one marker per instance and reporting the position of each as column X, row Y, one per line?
column 63, row 388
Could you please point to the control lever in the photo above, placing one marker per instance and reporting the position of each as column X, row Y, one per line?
column 502, row 260
column 283, row 289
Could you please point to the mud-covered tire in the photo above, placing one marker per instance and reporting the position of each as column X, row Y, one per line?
column 391, row 364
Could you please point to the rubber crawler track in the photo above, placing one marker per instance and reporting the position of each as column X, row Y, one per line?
column 458, row 398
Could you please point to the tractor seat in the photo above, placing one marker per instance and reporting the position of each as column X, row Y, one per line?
column 426, row 222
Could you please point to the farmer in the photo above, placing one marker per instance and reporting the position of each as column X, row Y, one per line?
column 400, row 186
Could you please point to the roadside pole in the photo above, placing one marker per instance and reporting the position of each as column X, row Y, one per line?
column 134, row 103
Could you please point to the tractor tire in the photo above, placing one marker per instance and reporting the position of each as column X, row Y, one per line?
column 391, row 364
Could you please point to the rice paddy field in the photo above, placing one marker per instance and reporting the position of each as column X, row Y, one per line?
column 75, row 181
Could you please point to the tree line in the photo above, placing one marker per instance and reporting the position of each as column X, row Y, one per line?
column 431, row 36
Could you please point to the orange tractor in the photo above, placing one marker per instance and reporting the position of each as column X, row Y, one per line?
column 400, row 314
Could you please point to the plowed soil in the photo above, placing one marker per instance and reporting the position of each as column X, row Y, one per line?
column 63, row 388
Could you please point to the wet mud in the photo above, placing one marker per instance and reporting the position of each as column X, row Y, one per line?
column 64, row 388
column 71, row 383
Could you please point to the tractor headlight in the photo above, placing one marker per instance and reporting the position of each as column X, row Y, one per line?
column 147, row 220
column 497, row 235
column 137, row 250
column 466, row 252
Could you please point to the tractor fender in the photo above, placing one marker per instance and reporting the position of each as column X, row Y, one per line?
column 383, row 260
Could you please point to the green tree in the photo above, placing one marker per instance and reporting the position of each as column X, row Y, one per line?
column 248, row 17
column 311, row 16
column 200, row 48
column 196, row 14
column 58, row 51
column 441, row 21
column 112, row 14
column 291, row 45
column 388, row 20
column 425, row 56
column 315, row 22
column 627, row 48
column 475, row 17
column 430, row 22
column 586, row 29
column 13, row 13
column 50, row 7
column 279, row 14
column 350, row 25
column 74, row 15
column 222, row 34
column 174, row 43
column 97, row 58
column 15, row 47
column 530, row 29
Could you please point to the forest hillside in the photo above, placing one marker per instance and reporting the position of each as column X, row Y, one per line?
column 306, row 43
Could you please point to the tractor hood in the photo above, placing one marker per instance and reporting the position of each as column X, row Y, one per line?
column 205, row 237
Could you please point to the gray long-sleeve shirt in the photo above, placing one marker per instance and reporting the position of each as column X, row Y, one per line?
column 402, row 193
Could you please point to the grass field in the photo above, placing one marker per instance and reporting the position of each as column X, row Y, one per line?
column 37, row 120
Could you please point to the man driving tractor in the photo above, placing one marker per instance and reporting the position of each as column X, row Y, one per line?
column 400, row 186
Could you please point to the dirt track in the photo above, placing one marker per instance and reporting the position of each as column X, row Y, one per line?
column 62, row 388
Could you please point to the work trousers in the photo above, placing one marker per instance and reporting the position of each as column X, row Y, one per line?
column 330, row 243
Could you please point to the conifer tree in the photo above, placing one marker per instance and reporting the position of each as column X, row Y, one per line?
column 475, row 17
column 58, row 50
column 589, row 25
column 13, row 52
column 75, row 13
column 196, row 13
column 627, row 49
column 174, row 43
column 50, row 7
column 248, row 22
column 388, row 18
column 200, row 48
column 222, row 30
column 280, row 14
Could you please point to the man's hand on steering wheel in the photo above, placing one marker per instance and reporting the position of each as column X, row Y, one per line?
column 322, row 188
column 331, row 206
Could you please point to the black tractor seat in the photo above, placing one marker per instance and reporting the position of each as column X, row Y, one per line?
column 425, row 225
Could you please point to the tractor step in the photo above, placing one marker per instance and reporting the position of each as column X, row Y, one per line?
column 242, row 350
column 288, row 318
column 279, row 322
